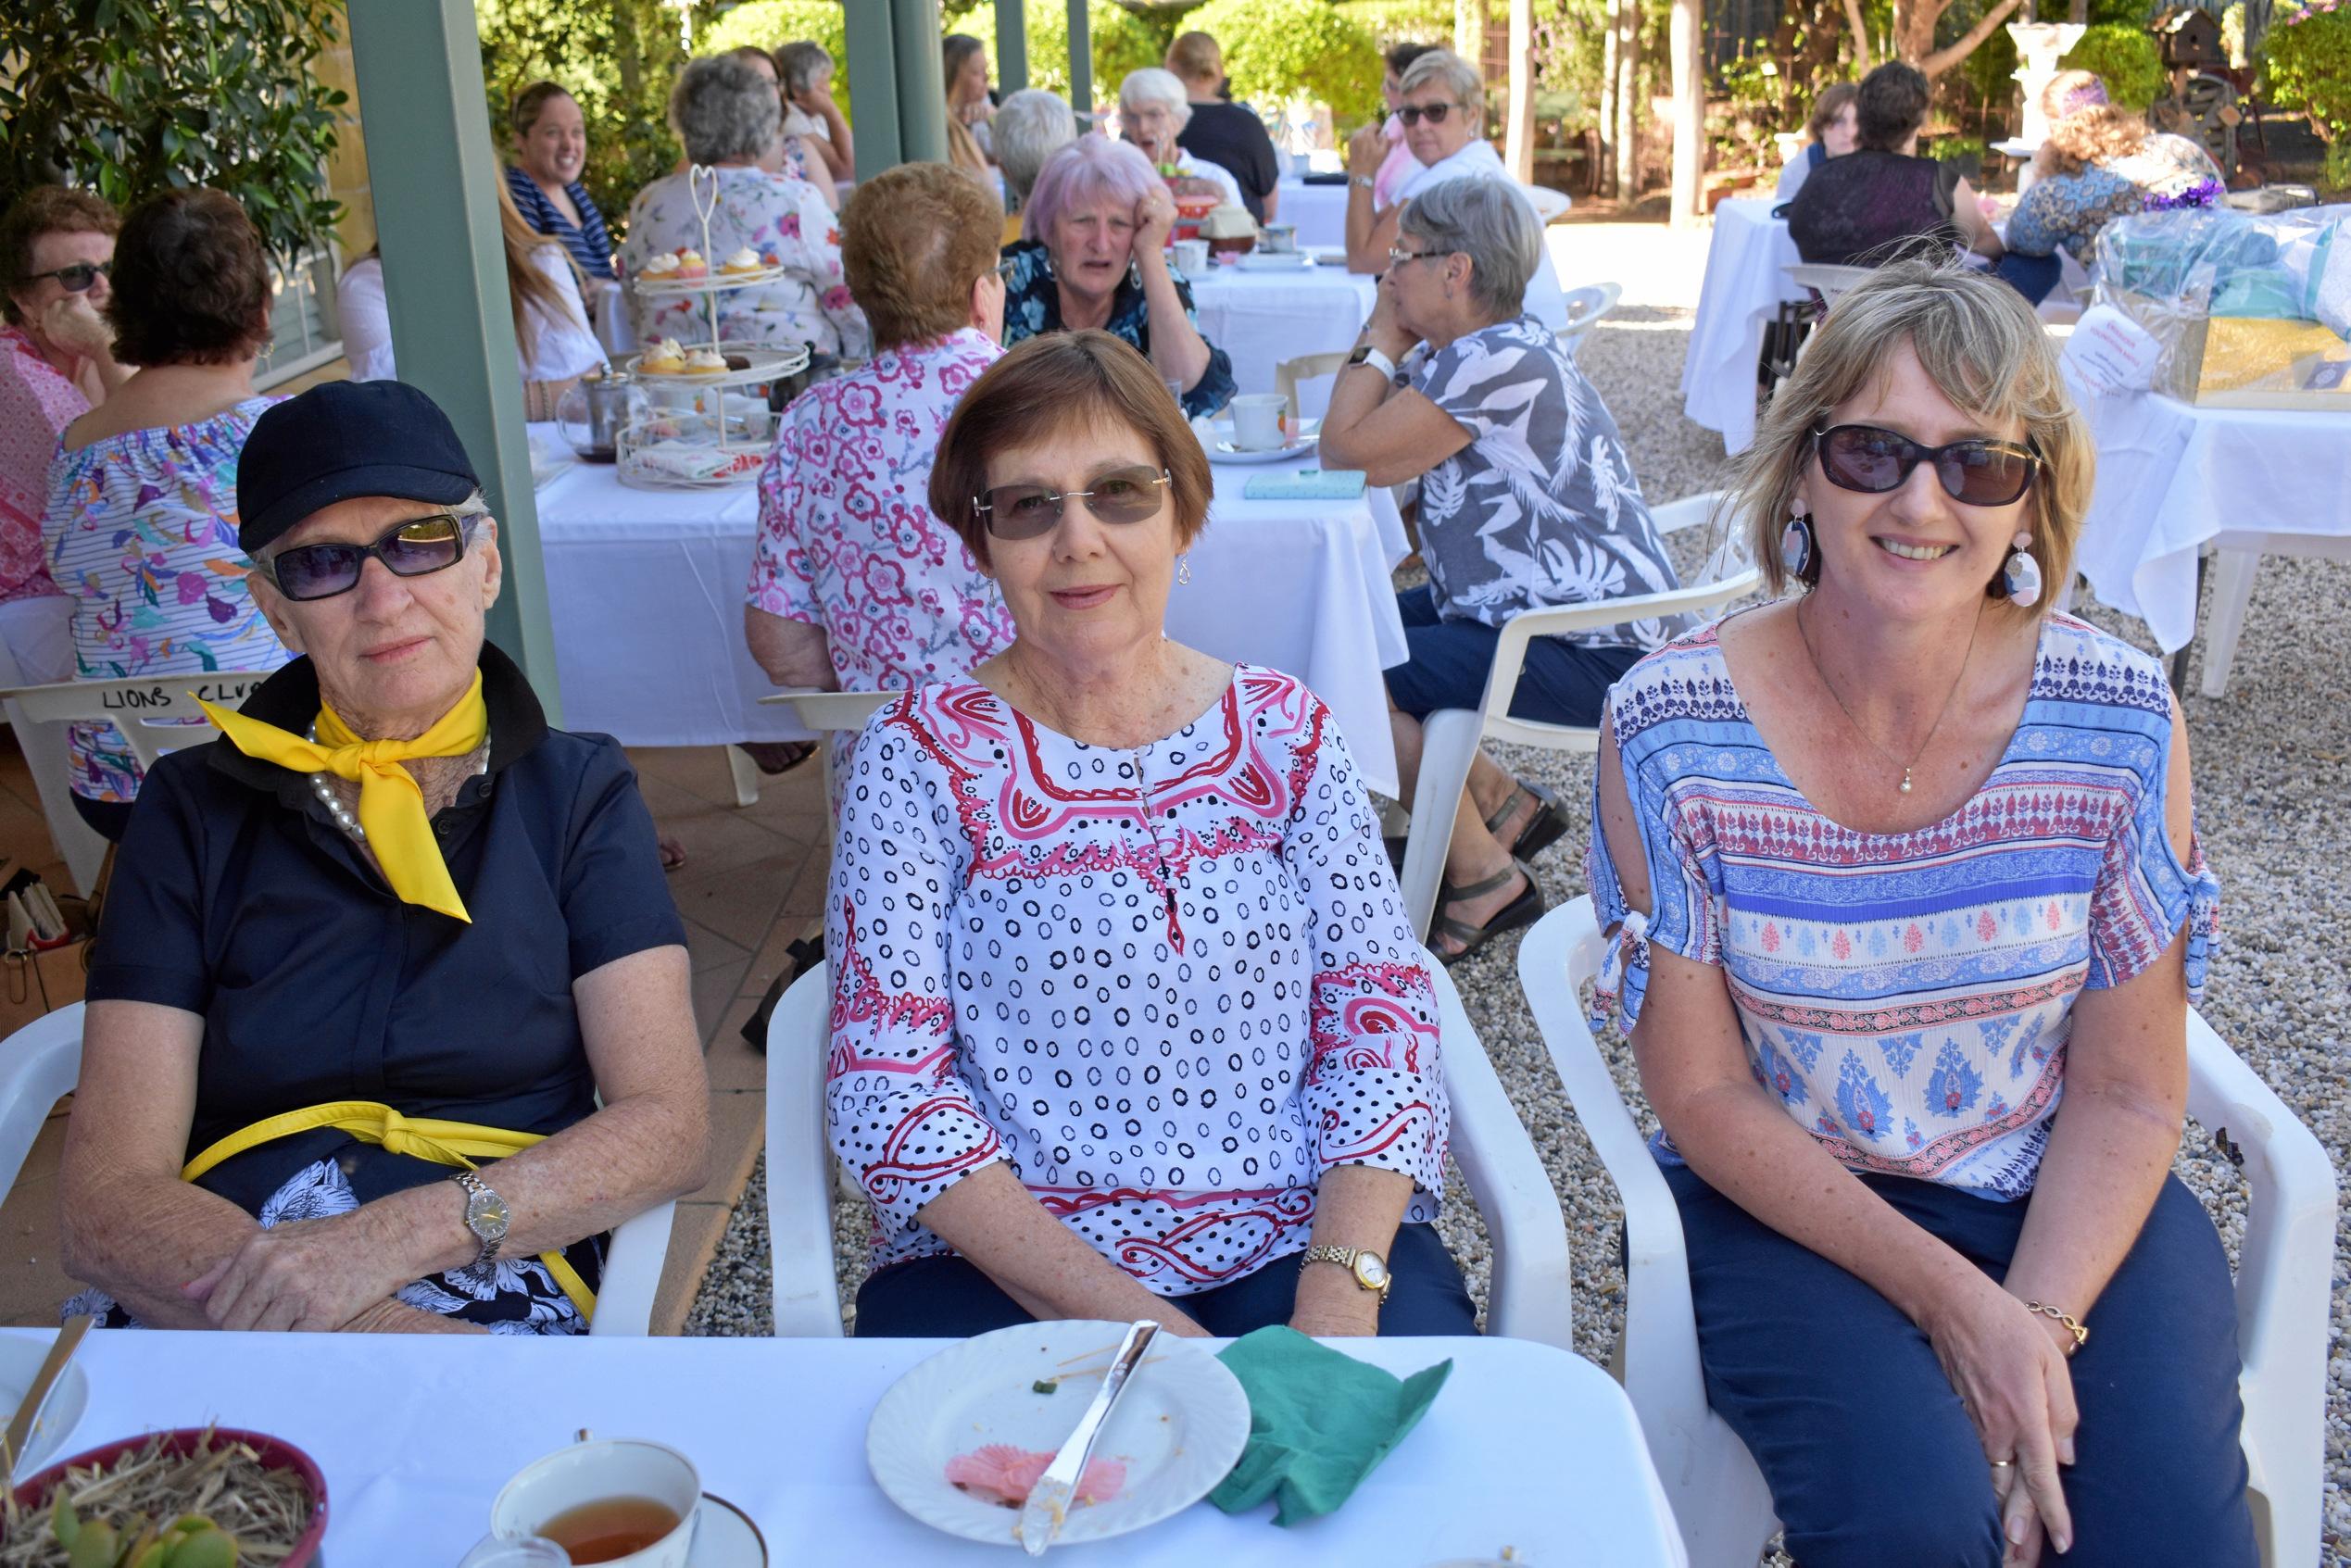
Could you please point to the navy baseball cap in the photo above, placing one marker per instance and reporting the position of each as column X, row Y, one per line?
column 343, row 439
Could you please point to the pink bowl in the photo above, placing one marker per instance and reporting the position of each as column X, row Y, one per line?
column 274, row 1452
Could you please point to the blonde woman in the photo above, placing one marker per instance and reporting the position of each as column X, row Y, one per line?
column 1908, row 912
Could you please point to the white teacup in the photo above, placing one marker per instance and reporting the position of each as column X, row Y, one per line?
column 1278, row 239
column 1257, row 421
column 1191, row 257
column 547, row 1488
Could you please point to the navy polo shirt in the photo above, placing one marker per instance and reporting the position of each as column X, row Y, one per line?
column 237, row 898
column 589, row 244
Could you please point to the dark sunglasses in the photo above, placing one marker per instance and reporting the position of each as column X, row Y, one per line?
column 1974, row 472
column 78, row 278
column 1024, row 511
column 413, row 548
column 1413, row 114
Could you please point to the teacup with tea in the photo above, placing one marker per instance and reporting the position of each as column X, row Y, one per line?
column 624, row 1503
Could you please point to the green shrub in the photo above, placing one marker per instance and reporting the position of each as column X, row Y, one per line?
column 1121, row 42
column 618, row 58
column 2126, row 56
column 1274, row 48
column 2307, row 65
column 1401, row 21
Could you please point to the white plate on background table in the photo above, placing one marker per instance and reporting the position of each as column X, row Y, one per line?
column 1216, row 435
column 20, row 1362
column 1179, row 1428
column 1276, row 261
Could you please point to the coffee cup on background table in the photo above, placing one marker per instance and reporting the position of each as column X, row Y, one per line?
column 1258, row 419
column 1278, row 239
column 621, row 1503
column 1191, row 257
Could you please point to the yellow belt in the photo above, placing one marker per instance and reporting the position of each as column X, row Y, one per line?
column 443, row 1143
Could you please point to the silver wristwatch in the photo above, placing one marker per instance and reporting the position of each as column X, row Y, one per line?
column 486, row 1216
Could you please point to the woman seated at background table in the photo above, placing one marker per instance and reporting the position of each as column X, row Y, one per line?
column 1152, row 111
column 726, row 114
column 331, row 967
column 1095, row 255
column 1912, row 911
column 1527, row 501
column 854, row 583
column 1227, row 135
column 805, row 69
column 790, row 155
column 1832, row 132
column 1881, row 200
column 2098, row 163
column 964, row 66
column 1031, row 126
column 141, row 524
column 551, row 151
column 1126, row 1011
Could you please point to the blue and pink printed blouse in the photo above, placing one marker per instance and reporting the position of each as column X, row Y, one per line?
column 1908, row 997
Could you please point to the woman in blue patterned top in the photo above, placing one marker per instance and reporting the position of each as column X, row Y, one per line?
column 2100, row 162
column 550, row 146
column 1908, row 912
column 1093, row 254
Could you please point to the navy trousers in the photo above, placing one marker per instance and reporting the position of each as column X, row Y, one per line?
column 1559, row 683
column 2032, row 276
column 948, row 1298
column 1871, row 1460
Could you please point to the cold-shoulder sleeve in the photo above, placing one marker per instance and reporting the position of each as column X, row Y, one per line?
column 898, row 1110
column 2145, row 896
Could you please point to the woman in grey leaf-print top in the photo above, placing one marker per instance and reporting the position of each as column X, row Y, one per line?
column 1527, row 501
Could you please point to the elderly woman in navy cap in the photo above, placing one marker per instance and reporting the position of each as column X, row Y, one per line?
column 369, row 960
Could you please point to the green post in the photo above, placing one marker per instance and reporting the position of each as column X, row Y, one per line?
column 921, row 89
column 1012, row 45
column 1081, row 63
column 872, row 70
column 434, row 173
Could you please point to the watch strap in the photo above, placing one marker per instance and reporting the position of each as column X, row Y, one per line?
column 1326, row 1252
column 1366, row 355
column 474, row 1187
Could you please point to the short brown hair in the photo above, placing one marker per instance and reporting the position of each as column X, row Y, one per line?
column 1053, row 381
column 1195, row 54
column 190, row 282
column 531, row 100
column 1894, row 104
column 913, row 240
column 1831, row 103
column 46, row 209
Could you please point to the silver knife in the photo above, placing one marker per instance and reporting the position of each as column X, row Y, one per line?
column 1049, row 1501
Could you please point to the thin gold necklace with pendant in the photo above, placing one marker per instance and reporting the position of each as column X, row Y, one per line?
column 1805, row 635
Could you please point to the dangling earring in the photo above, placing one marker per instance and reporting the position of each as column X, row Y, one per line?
column 2021, row 576
column 1184, row 568
column 1795, row 545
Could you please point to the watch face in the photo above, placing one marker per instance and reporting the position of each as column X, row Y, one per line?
column 1371, row 1271
column 486, row 1215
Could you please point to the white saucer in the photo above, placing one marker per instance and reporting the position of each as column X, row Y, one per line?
column 725, row 1538
column 1216, row 435
column 1275, row 262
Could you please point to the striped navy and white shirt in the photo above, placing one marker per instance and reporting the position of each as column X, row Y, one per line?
column 590, row 246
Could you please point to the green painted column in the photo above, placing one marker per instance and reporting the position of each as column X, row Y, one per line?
column 872, row 73
column 1012, row 45
column 921, row 87
column 1081, row 63
column 434, row 173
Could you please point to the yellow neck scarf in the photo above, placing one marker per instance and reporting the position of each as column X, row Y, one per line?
column 391, row 804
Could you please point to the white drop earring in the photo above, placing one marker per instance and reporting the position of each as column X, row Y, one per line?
column 2021, row 575
column 1184, row 568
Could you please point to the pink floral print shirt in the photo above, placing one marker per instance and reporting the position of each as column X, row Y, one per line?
column 36, row 403
column 771, row 214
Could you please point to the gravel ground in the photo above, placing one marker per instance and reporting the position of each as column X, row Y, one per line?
column 2272, row 769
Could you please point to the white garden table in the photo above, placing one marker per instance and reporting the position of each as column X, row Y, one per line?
column 1745, row 282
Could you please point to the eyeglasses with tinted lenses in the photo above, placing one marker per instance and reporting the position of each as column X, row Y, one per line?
column 79, row 278
column 414, row 548
column 1397, row 253
column 1024, row 511
column 1975, row 473
column 1413, row 114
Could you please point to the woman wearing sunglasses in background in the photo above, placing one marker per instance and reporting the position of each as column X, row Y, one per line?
column 390, row 893
column 1908, row 912
column 1128, row 1021
column 141, row 521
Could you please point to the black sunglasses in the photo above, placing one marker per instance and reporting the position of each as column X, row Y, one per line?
column 1975, row 473
column 77, row 278
column 1413, row 114
column 1024, row 511
column 414, row 548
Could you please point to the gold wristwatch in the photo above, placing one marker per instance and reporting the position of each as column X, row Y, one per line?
column 1368, row 1267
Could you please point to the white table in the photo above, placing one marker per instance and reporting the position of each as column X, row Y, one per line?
column 1262, row 319
column 1320, row 211
column 1526, row 1446
column 645, row 589
column 2174, row 478
column 1744, row 285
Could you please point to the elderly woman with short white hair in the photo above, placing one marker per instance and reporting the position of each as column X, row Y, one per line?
column 728, row 116
column 1153, row 108
column 390, row 1022
column 1031, row 126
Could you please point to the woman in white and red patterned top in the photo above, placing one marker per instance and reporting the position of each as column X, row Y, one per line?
column 1127, row 1018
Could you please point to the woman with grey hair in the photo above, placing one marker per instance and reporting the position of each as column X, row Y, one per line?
column 806, row 78
column 728, row 115
column 1031, row 126
column 1527, row 501
column 1153, row 108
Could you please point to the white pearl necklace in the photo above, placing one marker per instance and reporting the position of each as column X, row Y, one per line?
column 322, row 785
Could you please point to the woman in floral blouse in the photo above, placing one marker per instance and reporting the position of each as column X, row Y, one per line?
column 1128, row 1018
column 1094, row 255
column 727, row 115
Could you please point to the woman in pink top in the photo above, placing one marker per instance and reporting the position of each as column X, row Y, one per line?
column 1399, row 164
column 57, row 359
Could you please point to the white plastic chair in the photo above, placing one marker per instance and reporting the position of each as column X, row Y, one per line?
column 1719, row 1498
column 1587, row 306
column 1527, row 1291
column 827, row 712
column 1824, row 280
column 41, row 1062
column 151, row 713
column 1451, row 735
column 1306, row 367
column 1550, row 206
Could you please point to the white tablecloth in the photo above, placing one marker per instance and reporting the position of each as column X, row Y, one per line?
column 1320, row 211
column 2172, row 477
column 1526, row 1446
column 645, row 588
column 1744, row 285
column 1262, row 319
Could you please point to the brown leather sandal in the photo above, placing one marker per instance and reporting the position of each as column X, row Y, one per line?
column 1523, row 910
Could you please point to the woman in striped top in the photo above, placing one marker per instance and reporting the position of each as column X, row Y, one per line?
column 1909, row 911
column 550, row 147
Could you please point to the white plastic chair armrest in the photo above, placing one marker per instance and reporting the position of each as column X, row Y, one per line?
column 1528, row 1293
column 1510, row 648
column 39, row 1065
column 800, row 1162
column 633, row 1274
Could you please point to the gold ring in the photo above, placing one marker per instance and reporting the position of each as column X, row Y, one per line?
column 2001, row 1464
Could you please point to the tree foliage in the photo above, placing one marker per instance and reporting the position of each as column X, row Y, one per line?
column 1121, row 40
column 618, row 58
column 2126, row 57
column 131, row 98
column 2306, row 65
column 1276, row 48
column 772, row 23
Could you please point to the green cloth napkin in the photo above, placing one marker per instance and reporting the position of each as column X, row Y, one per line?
column 1306, row 484
column 1319, row 1422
